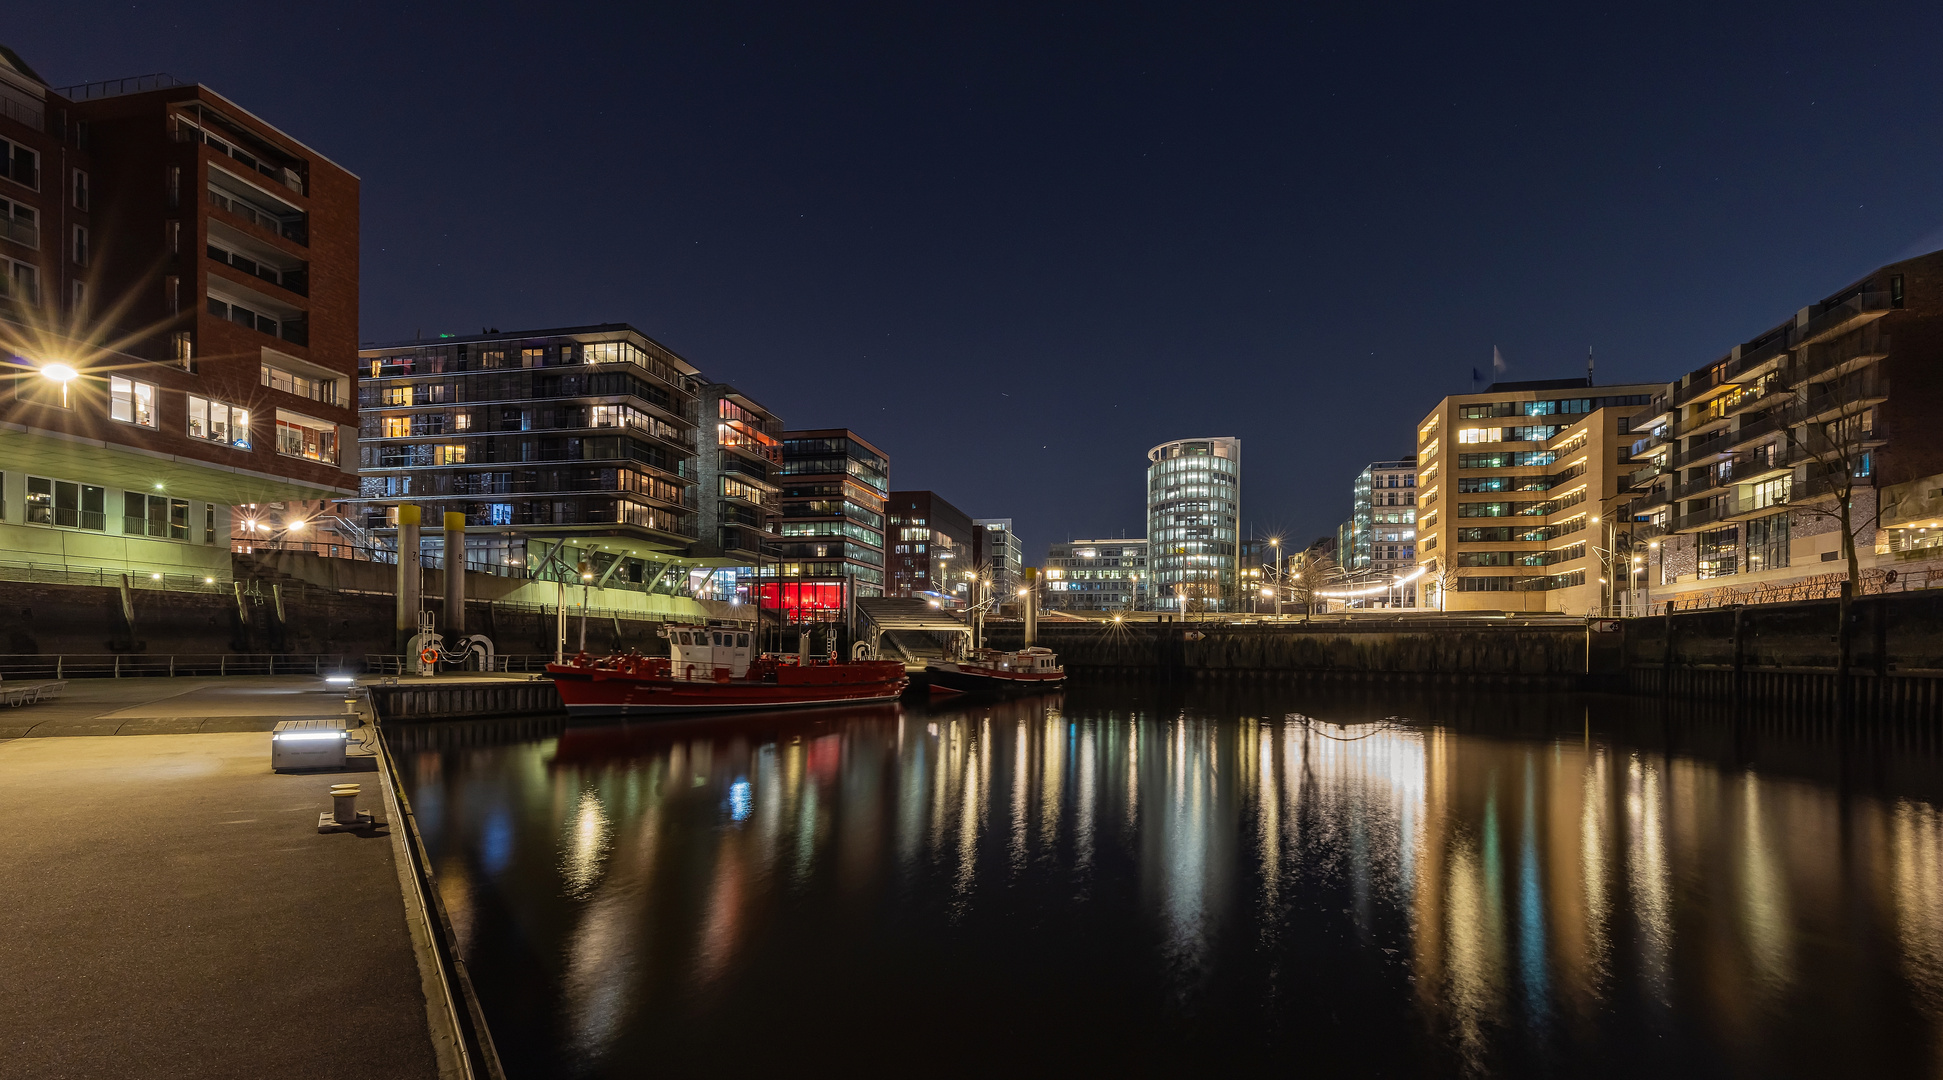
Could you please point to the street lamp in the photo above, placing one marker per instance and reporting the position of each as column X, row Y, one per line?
column 61, row 374
column 1276, row 543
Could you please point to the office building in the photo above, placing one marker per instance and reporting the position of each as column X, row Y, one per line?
column 1105, row 576
column 930, row 548
column 996, row 550
column 1744, row 466
column 1194, row 523
column 565, row 449
column 738, row 490
column 832, row 549
column 178, row 313
column 1513, row 485
column 1383, row 534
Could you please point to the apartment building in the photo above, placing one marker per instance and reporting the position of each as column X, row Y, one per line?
column 563, row 448
column 1103, row 576
column 930, row 548
column 834, row 487
column 996, row 548
column 1515, row 491
column 1194, row 523
column 178, row 311
column 1744, row 467
column 1383, row 534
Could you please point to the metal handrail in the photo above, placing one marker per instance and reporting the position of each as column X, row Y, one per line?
column 150, row 665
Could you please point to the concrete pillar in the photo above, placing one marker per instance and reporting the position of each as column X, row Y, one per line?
column 455, row 575
column 408, row 575
column 1031, row 606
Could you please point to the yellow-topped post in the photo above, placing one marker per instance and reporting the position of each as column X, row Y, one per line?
column 455, row 576
column 408, row 575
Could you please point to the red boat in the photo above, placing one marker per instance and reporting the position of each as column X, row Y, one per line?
column 713, row 668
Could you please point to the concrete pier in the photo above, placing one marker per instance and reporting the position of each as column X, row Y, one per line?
column 173, row 911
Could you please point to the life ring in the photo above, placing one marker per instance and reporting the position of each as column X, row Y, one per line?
column 429, row 655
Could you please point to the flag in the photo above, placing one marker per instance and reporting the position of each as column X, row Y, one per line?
column 1497, row 363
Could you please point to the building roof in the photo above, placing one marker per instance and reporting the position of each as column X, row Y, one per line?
column 1539, row 384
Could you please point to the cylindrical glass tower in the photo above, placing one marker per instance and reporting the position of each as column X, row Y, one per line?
column 1193, row 523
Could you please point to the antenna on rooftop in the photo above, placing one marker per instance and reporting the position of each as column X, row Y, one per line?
column 1588, row 365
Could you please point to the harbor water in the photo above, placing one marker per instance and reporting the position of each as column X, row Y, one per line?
column 1136, row 880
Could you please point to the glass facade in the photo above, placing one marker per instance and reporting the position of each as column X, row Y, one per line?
column 930, row 548
column 834, row 487
column 1193, row 523
column 1096, row 575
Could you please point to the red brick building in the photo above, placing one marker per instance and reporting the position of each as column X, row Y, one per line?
column 178, row 314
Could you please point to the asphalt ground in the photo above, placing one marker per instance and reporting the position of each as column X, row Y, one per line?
column 168, row 908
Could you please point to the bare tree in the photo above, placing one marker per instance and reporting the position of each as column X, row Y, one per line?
column 1829, row 426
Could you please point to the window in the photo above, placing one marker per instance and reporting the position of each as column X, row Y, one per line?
column 218, row 422
column 1478, row 435
column 462, row 421
column 65, row 504
column 131, row 402
column 449, row 454
column 396, row 427
column 20, row 279
column 77, row 299
column 304, row 437
column 1767, row 543
column 1719, row 552
column 395, row 395
column 19, row 223
column 184, row 347
column 80, row 190
column 20, row 164
column 1771, row 493
column 80, row 245
column 156, row 515
column 316, row 388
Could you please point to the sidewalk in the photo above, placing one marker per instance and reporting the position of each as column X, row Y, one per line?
column 171, row 910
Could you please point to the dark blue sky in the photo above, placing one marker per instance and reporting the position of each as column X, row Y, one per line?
column 1018, row 246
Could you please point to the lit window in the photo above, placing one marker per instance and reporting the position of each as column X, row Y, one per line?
column 131, row 402
column 215, row 421
column 449, row 454
column 397, row 427
column 304, row 437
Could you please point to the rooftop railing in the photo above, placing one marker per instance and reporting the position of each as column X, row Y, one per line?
column 107, row 88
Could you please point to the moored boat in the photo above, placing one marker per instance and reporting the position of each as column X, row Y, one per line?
column 713, row 668
column 995, row 672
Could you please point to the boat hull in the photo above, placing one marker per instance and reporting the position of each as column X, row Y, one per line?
column 973, row 681
column 596, row 692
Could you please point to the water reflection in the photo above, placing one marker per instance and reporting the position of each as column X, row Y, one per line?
column 1199, row 880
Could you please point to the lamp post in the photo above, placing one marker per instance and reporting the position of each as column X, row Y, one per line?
column 1276, row 543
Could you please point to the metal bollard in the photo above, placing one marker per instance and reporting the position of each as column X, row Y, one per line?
column 344, row 803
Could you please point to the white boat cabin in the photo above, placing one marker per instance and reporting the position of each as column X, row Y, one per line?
column 1030, row 659
column 694, row 652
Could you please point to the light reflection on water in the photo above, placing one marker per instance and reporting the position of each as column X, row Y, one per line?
column 1138, row 880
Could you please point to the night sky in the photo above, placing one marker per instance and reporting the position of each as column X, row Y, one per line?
column 1016, row 247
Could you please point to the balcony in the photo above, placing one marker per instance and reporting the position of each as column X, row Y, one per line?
column 1762, row 357
column 1700, row 485
column 1843, row 317
column 24, row 232
column 1639, row 478
column 1841, row 357
column 1711, row 417
column 1759, row 428
column 1655, row 414
column 1710, row 448
column 1712, row 380
column 1650, row 444
column 1846, row 397
column 1649, row 502
column 296, row 281
column 20, row 112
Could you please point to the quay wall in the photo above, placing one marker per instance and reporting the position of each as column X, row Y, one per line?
column 1555, row 656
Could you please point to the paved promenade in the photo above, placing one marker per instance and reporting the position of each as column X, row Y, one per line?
column 170, row 909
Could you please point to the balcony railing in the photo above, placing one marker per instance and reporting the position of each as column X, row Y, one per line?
column 1650, row 443
column 1641, row 421
column 1848, row 393
column 1843, row 317
column 20, row 232
column 1823, row 358
column 1641, row 477
column 31, row 115
column 1703, row 451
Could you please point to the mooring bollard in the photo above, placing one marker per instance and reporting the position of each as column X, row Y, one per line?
column 344, row 803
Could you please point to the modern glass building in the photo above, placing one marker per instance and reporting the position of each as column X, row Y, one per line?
column 834, row 486
column 930, row 548
column 563, row 448
column 1383, row 532
column 996, row 548
column 1194, row 523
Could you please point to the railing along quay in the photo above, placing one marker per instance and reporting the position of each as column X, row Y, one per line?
column 164, row 665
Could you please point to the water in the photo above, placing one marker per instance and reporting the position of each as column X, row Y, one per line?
column 1126, row 880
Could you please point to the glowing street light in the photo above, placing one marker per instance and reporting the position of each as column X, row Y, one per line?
column 61, row 374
